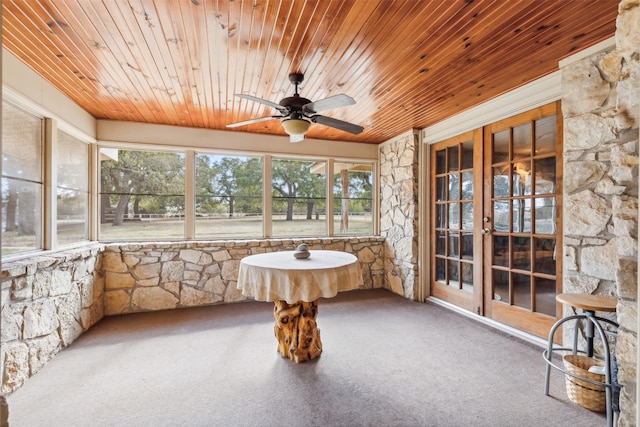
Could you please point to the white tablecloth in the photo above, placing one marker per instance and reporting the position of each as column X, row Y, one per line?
column 279, row 276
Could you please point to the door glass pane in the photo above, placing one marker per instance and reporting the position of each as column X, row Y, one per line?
column 452, row 269
column 545, row 296
column 440, row 271
column 441, row 188
column 467, row 216
column 441, row 243
column 454, row 219
column 545, row 215
column 467, row 276
column 441, row 161
column 521, row 215
column 500, row 146
column 453, row 158
column 545, row 129
column 467, row 155
column 521, row 253
column 501, row 251
column 501, row 286
column 522, row 290
column 454, row 245
column 545, row 175
column 466, row 246
column 501, row 215
column 501, row 181
column 467, row 185
column 454, row 187
column 441, row 215
column 546, row 256
column 522, row 141
column 522, row 179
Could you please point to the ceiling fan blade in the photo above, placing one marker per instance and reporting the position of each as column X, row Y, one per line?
column 251, row 121
column 338, row 124
column 278, row 107
column 335, row 101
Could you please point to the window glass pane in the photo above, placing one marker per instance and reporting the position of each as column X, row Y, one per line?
column 441, row 188
column 453, row 158
column 352, row 198
column 454, row 220
column 522, row 141
column 501, row 182
column 522, row 291
column 441, row 243
column 522, row 178
column 454, row 186
column 501, row 215
column 466, row 246
column 228, row 196
column 545, row 215
column 521, row 253
column 467, row 216
column 22, row 185
column 546, row 296
column 545, row 129
column 441, row 161
column 545, row 170
column 500, row 146
column 454, row 245
column 467, row 155
column 21, row 216
column 501, row 286
column 467, row 185
column 441, row 215
column 21, row 144
column 440, row 270
column 467, row 276
column 73, row 189
column 298, row 198
column 141, row 195
column 546, row 256
column 501, row 251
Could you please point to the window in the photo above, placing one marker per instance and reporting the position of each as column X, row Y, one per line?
column 72, row 191
column 22, row 181
column 353, row 198
column 228, row 196
column 141, row 195
column 298, row 198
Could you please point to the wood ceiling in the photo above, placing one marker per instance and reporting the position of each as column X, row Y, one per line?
column 408, row 64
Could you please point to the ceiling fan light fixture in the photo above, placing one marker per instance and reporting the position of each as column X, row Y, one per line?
column 296, row 127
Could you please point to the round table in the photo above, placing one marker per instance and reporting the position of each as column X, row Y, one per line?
column 295, row 285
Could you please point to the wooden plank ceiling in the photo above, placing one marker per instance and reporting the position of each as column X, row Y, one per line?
column 407, row 63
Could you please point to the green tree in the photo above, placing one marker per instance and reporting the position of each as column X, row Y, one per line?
column 155, row 180
column 292, row 180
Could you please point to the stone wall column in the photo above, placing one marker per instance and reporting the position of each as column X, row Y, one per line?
column 399, row 213
column 601, row 111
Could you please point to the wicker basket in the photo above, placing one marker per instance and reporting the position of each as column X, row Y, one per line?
column 585, row 394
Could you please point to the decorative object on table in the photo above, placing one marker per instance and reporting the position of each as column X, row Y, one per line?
column 585, row 394
column 302, row 251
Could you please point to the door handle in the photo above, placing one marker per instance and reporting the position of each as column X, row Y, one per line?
column 486, row 231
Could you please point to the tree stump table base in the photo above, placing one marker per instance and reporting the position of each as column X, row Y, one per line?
column 296, row 330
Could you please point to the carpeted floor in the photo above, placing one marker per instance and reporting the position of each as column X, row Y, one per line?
column 387, row 361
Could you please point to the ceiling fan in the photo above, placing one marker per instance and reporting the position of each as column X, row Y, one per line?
column 297, row 113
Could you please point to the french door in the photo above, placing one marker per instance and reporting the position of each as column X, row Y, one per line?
column 496, row 223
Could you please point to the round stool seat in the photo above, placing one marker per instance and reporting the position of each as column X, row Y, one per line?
column 588, row 302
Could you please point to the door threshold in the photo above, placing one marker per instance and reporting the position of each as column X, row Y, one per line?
column 501, row 327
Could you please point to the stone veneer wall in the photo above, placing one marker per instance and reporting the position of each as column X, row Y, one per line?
column 601, row 115
column 158, row 276
column 50, row 300
column 399, row 213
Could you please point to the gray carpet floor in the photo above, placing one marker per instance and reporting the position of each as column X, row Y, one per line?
column 387, row 361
